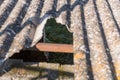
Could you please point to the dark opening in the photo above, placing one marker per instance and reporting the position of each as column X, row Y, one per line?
column 53, row 33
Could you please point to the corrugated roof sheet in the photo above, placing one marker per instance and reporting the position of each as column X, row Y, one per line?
column 22, row 21
column 95, row 25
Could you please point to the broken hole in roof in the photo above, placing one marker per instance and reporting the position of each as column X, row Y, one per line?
column 53, row 33
column 57, row 33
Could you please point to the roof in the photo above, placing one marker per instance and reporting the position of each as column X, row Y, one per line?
column 95, row 25
column 22, row 21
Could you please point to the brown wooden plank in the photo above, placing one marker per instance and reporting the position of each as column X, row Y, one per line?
column 50, row 47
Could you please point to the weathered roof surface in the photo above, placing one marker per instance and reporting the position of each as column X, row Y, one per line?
column 20, row 20
column 97, row 33
column 95, row 25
